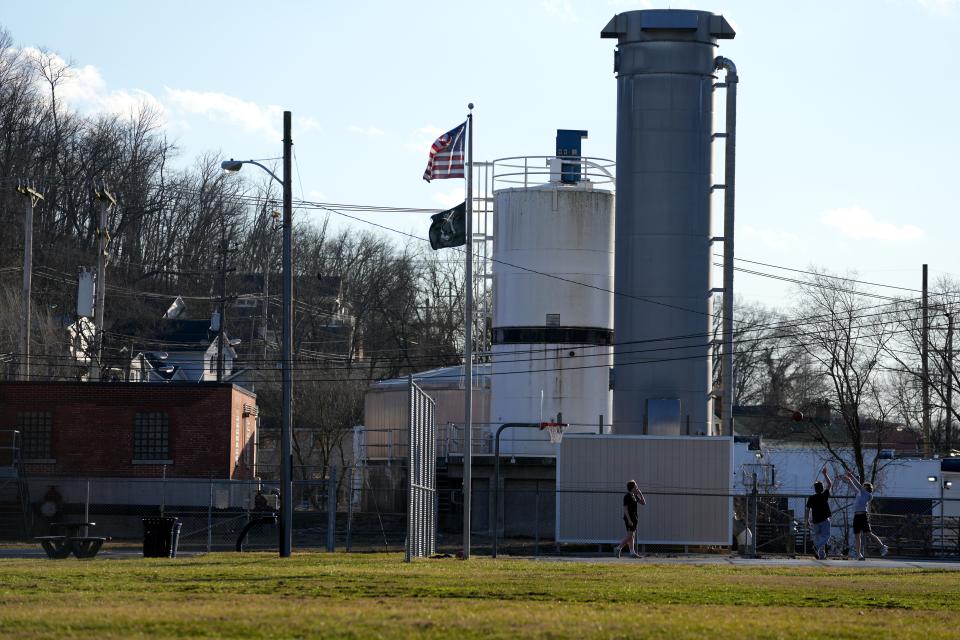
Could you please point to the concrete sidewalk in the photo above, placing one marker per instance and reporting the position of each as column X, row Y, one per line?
column 766, row 561
column 106, row 553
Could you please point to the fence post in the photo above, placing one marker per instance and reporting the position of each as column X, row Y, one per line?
column 210, row 517
column 351, row 472
column 943, row 549
column 163, row 491
column 332, row 509
column 86, row 509
column 536, row 519
column 753, row 516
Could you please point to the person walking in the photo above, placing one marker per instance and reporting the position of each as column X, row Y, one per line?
column 861, row 517
column 818, row 515
column 631, row 499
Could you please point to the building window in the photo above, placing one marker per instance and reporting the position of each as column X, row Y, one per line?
column 35, row 428
column 151, row 436
column 268, row 441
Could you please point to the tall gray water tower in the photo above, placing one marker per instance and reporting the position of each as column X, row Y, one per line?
column 662, row 364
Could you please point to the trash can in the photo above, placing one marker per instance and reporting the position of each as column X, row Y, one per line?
column 160, row 537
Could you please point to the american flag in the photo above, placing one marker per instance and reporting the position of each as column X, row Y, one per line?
column 446, row 155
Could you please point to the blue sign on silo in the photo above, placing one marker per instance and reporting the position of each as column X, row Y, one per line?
column 568, row 146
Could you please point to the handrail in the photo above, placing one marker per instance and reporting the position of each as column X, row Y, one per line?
column 13, row 446
column 527, row 171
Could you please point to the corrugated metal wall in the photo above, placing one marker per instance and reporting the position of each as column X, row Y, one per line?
column 386, row 412
column 687, row 482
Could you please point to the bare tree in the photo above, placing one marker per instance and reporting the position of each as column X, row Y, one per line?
column 942, row 379
column 846, row 347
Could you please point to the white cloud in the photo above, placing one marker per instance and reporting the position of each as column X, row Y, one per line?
column 858, row 223
column 84, row 85
column 771, row 238
column 450, row 198
column 83, row 88
column 223, row 107
column 423, row 137
column 306, row 124
column 366, row 131
column 430, row 130
column 316, row 196
column 561, row 9
column 939, row 6
column 630, row 5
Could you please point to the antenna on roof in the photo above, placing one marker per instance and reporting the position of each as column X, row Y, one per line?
column 175, row 309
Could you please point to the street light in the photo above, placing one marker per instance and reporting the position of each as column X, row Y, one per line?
column 286, row 385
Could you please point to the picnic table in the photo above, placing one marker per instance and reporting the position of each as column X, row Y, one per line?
column 75, row 540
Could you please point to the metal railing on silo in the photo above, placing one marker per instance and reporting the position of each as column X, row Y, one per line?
column 530, row 171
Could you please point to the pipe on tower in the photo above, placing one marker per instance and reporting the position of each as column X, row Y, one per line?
column 730, row 156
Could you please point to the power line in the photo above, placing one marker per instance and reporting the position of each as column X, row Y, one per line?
column 271, row 364
column 826, row 275
column 329, row 208
column 780, row 325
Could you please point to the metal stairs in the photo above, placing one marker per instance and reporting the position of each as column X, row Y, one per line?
column 15, row 514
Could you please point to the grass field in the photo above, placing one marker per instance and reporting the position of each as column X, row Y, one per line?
column 377, row 595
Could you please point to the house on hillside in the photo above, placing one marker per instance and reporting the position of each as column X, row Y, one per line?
column 186, row 352
column 325, row 323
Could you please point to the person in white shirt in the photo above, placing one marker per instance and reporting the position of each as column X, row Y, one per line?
column 861, row 516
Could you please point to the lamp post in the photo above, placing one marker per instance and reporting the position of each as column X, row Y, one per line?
column 286, row 388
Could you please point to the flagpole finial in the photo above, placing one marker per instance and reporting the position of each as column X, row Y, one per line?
column 470, row 106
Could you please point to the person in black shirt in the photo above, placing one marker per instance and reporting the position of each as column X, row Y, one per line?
column 631, row 499
column 818, row 515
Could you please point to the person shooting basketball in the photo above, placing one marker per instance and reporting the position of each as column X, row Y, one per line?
column 861, row 516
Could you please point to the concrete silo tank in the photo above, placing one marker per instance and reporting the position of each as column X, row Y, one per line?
column 662, row 363
column 551, row 335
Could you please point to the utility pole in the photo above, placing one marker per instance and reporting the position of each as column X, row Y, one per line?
column 223, row 294
column 105, row 200
column 925, row 369
column 266, row 284
column 948, row 369
column 286, row 386
column 266, row 303
column 31, row 198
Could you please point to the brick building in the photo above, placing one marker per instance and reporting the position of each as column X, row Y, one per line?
column 122, row 430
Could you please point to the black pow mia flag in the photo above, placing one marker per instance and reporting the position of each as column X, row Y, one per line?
column 449, row 228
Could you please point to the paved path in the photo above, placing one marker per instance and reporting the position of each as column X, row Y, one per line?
column 105, row 553
column 769, row 561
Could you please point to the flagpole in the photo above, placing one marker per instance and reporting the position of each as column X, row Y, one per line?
column 468, row 347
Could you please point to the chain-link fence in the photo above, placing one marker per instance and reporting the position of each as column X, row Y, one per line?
column 911, row 527
column 364, row 508
column 360, row 509
column 766, row 523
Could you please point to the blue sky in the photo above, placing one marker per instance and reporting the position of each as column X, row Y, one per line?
column 848, row 130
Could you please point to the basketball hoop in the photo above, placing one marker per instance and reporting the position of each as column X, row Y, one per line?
column 554, row 430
